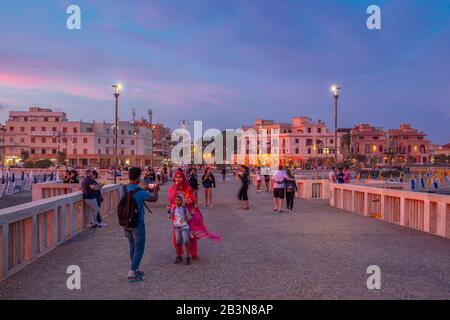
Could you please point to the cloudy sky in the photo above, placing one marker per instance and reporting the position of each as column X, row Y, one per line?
column 229, row 62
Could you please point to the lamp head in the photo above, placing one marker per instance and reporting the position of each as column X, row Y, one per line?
column 117, row 88
column 335, row 90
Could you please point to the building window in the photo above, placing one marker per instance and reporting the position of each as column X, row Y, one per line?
column 22, row 140
column 43, row 151
column 85, row 151
column 74, row 140
column 65, row 130
column 409, row 148
column 11, row 129
column 33, row 151
column 297, row 151
column 74, row 151
column 75, row 130
column 54, row 129
column 122, row 152
column 54, row 140
column 99, row 140
column 122, row 132
column 308, row 142
column 22, row 129
column 331, row 141
column 122, row 141
column 33, row 129
column 132, row 152
column 107, row 151
column 43, row 129
column 45, row 119
column 107, row 141
column 11, row 139
column 25, row 119
column 56, row 119
column 132, row 142
column 53, row 151
column 85, row 140
column 380, row 148
column 319, row 130
column 44, row 140
column 107, row 131
column 99, row 151
column 320, row 151
column 297, row 140
column 367, row 149
column 309, row 130
column 33, row 140
column 309, row 151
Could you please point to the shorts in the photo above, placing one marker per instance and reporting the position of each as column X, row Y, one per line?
column 243, row 193
column 278, row 193
column 182, row 236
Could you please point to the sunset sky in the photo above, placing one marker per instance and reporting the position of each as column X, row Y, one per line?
column 230, row 62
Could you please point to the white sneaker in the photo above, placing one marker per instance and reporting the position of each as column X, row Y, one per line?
column 102, row 225
column 211, row 206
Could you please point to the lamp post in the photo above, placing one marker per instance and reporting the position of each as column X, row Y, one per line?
column 336, row 90
column 3, row 130
column 117, row 87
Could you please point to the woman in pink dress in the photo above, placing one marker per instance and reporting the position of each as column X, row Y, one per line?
column 196, row 223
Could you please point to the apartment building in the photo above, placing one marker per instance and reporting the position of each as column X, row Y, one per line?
column 45, row 134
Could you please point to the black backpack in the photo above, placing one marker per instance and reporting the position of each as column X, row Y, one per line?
column 127, row 210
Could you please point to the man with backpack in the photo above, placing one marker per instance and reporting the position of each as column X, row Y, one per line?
column 131, row 211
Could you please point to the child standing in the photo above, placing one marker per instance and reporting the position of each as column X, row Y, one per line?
column 180, row 217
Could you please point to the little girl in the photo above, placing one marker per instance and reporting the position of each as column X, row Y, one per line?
column 180, row 217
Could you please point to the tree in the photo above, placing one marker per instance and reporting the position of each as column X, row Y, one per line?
column 345, row 145
column 441, row 159
column 361, row 158
column 61, row 158
column 43, row 164
column 24, row 155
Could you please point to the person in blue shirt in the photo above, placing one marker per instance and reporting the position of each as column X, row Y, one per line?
column 136, row 235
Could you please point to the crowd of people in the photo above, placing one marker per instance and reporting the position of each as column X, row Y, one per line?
column 183, row 208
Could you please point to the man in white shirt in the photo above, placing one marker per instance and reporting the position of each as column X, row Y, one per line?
column 278, row 180
column 332, row 175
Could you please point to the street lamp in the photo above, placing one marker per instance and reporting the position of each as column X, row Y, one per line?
column 3, row 130
column 117, row 87
column 335, row 90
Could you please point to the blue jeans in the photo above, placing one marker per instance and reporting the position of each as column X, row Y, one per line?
column 182, row 236
column 136, row 239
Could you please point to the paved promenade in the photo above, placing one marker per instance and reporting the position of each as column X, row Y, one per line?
column 316, row 253
column 15, row 199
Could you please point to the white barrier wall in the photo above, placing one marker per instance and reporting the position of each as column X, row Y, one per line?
column 428, row 212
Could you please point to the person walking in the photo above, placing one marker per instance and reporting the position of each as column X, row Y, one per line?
column 279, row 185
column 134, row 197
column 340, row 176
column 193, row 180
column 332, row 175
column 245, row 182
column 100, row 199
column 224, row 174
column 208, row 182
column 267, row 178
column 90, row 190
column 291, row 189
column 347, row 175
column 258, row 179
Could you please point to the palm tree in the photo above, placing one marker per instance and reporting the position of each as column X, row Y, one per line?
column 345, row 145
